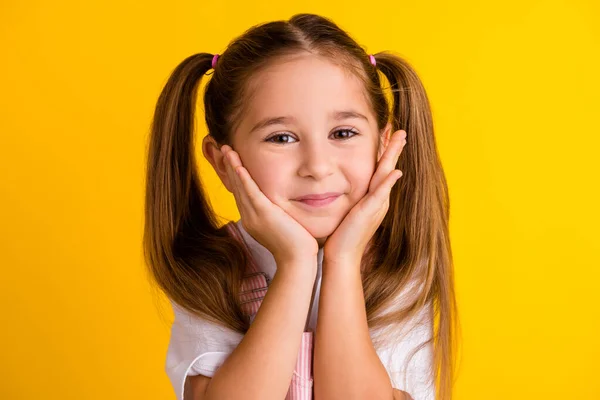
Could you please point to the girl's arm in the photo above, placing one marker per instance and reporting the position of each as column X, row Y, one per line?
column 262, row 364
column 346, row 365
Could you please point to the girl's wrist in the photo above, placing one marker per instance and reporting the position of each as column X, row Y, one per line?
column 340, row 264
column 339, row 259
column 300, row 266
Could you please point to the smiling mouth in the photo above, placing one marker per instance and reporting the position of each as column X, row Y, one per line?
column 319, row 202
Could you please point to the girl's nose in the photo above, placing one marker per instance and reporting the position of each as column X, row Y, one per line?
column 316, row 163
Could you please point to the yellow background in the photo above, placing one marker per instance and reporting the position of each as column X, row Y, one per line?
column 514, row 89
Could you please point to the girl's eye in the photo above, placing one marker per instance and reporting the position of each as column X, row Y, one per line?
column 346, row 134
column 280, row 135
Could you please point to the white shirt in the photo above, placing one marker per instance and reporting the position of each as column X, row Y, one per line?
column 198, row 346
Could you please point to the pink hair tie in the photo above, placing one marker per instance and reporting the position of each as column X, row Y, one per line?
column 214, row 60
column 372, row 58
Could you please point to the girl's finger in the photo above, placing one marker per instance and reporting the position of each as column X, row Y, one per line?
column 382, row 193
column 233, row 179
column 389, row 159
column 255, row 197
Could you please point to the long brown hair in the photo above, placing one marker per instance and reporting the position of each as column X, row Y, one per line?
column 199, row 265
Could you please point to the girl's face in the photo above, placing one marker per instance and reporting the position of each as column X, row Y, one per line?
column 309, row 130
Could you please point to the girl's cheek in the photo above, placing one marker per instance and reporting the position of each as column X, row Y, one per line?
column 269, row 183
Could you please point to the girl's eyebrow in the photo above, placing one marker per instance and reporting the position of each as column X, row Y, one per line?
column 272, row 121
column 347, row 114
column 335, row 115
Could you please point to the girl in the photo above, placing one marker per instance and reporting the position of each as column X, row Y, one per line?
column 321, row 289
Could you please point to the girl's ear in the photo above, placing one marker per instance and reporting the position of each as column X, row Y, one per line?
column 215, row 157
column 384, row 140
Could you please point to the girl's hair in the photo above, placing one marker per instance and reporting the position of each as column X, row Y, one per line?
column 200, row 266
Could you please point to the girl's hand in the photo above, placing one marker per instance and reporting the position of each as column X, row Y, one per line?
column 268, row 223
column 349, row 241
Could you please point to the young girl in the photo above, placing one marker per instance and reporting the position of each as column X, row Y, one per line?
column 330, row 284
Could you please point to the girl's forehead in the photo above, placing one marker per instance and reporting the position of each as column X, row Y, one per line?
column 304, row 71
column 305, row 85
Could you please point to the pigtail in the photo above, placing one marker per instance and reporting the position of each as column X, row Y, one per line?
column 171, row 149
column 184, row 247
column 420, row 205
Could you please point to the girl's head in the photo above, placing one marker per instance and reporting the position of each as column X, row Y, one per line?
column 307, row 125
column 304, row 107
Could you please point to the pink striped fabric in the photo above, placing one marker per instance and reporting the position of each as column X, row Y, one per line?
column 254, row 288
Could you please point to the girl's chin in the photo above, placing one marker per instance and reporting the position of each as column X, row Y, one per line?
column 319, row 226
column 319, row 231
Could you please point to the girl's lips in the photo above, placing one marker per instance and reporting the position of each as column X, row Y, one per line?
column 319, row 202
